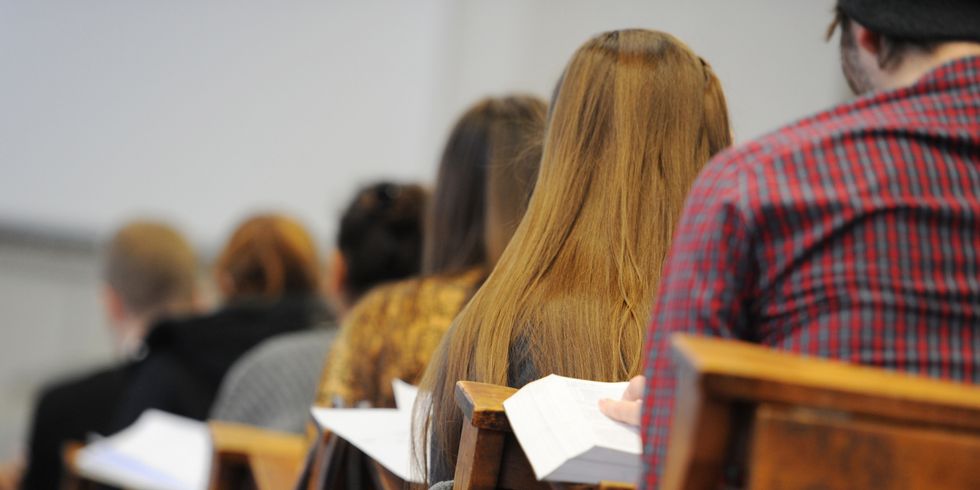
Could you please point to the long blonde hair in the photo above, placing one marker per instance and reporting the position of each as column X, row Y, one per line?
column 634, row 118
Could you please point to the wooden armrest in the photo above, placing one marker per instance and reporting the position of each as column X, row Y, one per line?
column 749, row 372
column 275, row 472
column 71, row 479
column 69, row 455
column 605, row 485
column 238, row 439
column 243, row 453
column 483, row 404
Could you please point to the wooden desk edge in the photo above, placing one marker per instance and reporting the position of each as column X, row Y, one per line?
column 740, row 370
column 483, row 404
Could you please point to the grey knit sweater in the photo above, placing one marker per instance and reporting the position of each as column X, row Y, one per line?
column 274, row 384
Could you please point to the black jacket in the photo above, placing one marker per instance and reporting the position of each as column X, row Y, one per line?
column 179, row 371
column 185, row 361
column 69, row 411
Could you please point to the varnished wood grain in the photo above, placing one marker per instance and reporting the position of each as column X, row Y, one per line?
column 799, row 449
column 739, row 370
column 483, row 404
column 793, row 422
column 489, row 455
column 270, row 472
column 241, row 451
column 700, row 437
column 479, row 457
column 240, row 439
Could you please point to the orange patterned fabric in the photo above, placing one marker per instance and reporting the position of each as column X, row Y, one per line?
column 392, row 333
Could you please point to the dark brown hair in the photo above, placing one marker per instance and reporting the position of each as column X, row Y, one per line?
column 460, row 220
column 381, row 235
column 269, row 255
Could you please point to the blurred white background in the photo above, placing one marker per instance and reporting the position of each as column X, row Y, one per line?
column 200, row 111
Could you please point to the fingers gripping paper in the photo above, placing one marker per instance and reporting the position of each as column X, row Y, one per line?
column 566, row 438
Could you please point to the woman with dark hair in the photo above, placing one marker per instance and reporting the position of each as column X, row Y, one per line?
column 380, row 240
column 268, row 274
column 486, row 175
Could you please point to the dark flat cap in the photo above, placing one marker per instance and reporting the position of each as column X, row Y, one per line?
column 923, row 20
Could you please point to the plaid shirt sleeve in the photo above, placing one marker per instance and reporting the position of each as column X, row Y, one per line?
column 703, row 290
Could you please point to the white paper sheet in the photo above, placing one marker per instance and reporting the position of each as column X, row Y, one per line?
column 564, row 435
column 384, row 434
column 160, row 451
column 405, row 394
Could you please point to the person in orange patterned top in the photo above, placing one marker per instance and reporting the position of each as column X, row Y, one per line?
column 486, row 176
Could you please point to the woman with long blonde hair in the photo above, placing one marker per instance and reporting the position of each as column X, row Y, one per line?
column 634, row 118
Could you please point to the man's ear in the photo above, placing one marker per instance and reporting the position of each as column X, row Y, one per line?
column 866, row 39
column 115, row 308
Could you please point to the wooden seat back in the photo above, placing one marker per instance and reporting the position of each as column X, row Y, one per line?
column 245, row 456
column 72, row 479
column 791, row 422
column 489, row 454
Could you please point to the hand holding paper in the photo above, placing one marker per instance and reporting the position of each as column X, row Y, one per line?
column 627, row 409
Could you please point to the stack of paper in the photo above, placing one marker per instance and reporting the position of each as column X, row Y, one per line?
column 566, row 438
column 384, row 434
column 159, row 452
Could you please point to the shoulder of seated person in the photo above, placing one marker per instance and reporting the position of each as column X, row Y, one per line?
column 80, row 384
column 286, row 347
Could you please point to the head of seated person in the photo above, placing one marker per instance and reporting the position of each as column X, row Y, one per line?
column 268, row 257
column 634, row 118
column 486, row 175
column 379, row 240
column 268, row 274
column 882, row 48
column 149, row 273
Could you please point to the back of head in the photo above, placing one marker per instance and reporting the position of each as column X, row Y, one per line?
column 381, row 236
column 909, row 33
column 512, row 169
column 268, row 256
column 151, row 267
column 636, row 116
column 474, row 208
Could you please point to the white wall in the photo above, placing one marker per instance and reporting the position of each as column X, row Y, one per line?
column 769, row 54
column 50, row 323
column 201, row 110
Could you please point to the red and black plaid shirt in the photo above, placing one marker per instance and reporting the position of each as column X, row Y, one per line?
column 853, row 234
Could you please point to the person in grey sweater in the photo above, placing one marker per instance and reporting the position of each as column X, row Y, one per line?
column 380, row 239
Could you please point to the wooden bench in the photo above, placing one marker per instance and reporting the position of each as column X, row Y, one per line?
column 250, row 457
column 794, row 422
column 489, row 455
column 788, row 422
column 243, row 457
column 247, row 456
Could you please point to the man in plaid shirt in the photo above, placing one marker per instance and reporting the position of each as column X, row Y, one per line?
column 852, row 234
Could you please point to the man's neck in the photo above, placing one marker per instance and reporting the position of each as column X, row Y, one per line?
column 917, row 65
